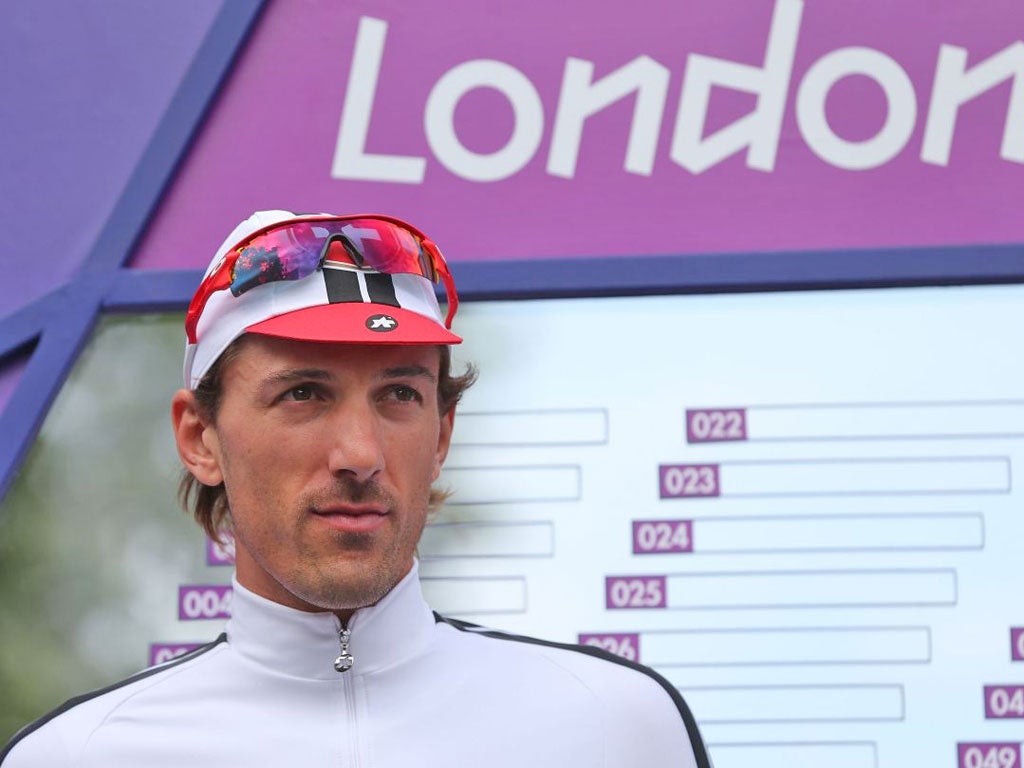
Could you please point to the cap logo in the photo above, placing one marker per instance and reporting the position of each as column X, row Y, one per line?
column 381, row 323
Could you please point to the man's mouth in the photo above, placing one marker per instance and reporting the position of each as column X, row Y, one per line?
column 352, row 518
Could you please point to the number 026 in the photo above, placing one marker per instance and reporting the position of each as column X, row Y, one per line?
column 625, row 645
column 989, row 755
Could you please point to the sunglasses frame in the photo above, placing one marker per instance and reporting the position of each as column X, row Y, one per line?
column 219, row 278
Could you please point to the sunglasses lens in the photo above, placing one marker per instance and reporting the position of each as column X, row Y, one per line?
column 296, row 250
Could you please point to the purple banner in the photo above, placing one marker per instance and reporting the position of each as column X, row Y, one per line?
column 713, row 126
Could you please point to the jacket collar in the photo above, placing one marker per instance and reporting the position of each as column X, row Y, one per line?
column 302, row 644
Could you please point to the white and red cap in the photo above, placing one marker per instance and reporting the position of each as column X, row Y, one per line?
column 335, row 304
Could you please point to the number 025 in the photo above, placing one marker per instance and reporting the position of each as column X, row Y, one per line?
column 635, row 592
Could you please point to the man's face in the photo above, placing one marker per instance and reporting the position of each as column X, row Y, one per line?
column 327, row 452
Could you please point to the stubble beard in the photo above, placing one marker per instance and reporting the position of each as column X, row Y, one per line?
column 362, row 567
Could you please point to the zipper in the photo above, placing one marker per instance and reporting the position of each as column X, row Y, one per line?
column 345, row 659
column 348, row 683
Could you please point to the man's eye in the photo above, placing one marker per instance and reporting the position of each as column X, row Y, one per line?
column 300, row 393
column 405, row 394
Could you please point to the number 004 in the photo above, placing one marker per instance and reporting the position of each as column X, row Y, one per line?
column 206, row 604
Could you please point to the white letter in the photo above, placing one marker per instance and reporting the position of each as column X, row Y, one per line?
column 526, row 132
column 954, row 86
column 901, row 110
column 581, row 98
column 350, row 160
column 760, row 129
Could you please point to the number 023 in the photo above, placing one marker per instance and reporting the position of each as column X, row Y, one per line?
column 683, row 481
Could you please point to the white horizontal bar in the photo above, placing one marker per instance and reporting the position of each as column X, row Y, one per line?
column 562, row 427
column 794, row 704
column 853, row 755
column 865, row 476
column 884, row 421
column 488, row 540
column 834, row 645
column 808, row 589
column 493, row 485
column 462, row 596
column 838, row 533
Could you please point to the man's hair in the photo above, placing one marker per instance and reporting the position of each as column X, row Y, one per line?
column 209, row 503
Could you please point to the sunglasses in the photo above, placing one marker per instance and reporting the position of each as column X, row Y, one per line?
column 293, row 250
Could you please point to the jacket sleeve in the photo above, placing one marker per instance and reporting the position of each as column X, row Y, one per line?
column 38, row 748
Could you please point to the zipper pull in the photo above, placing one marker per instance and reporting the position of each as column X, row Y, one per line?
column 345, row 659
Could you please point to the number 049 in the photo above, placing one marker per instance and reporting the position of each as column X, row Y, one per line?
column 989, row 755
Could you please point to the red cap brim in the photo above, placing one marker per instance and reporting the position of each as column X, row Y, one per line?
column 356, row 323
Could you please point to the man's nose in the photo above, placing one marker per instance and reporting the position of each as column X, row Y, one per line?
column 357, row 449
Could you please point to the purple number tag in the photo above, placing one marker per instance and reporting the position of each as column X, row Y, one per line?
column 160, row 653
column 716, row 425
column 1004, row 701
column 684, row 481
column 625, row 645
column 988, row 755
column 220, row 554
column 656, row 536
column 635, row 591
column 1017, row 643
column 204, row 601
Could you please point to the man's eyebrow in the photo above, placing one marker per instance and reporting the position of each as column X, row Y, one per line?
column 297, row 374
column 409, row 371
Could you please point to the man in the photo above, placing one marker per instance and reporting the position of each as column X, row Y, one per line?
column 318, row 411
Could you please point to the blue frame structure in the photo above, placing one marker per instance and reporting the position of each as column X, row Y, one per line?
column 55, row 328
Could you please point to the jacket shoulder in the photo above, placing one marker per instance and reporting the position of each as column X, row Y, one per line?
column 629, row 691
column 55, row 738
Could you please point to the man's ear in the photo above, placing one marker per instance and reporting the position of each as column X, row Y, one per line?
column 196, row 439
column 444, row 440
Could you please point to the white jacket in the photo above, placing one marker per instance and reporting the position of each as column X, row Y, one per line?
column 423, row 692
